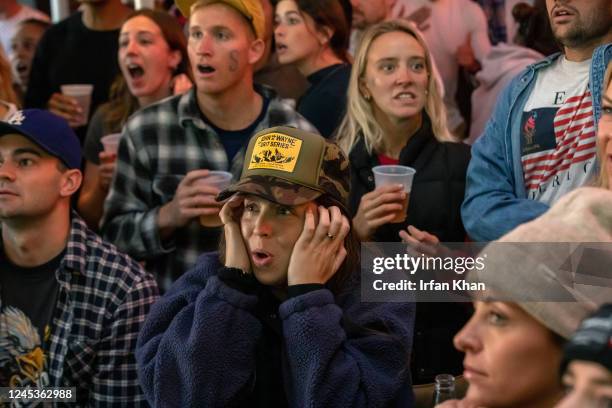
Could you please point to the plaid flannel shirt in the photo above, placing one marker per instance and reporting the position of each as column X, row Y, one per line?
column 159, row 146
column 104, row 297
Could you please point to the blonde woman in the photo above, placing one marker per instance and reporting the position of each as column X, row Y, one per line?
column 395, row 115
column 604, row 132
column 8, row 97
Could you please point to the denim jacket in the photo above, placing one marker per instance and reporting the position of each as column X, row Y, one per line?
column 495, row 197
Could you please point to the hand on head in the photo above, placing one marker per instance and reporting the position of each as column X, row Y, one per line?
column 319, row 251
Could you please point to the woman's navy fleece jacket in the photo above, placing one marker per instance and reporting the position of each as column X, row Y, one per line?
column 198, row 347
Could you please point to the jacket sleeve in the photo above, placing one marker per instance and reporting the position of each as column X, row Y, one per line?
column 332, row 365
column 491, row 207
column 197, row 346
column 130, row 216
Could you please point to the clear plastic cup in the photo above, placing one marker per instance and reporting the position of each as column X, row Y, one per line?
column 221, row 180
column 396, row 174
column 82, row 93
column 111, row 142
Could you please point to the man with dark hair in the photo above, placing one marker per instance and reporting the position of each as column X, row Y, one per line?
column 166, row 150
column 540, row 141
column 71, row 305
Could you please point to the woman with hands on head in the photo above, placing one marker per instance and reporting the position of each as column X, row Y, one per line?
column 154, row 65
column 395, row 115
column 275, row 318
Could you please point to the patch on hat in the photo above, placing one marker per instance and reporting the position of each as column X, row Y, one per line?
column 275, row 151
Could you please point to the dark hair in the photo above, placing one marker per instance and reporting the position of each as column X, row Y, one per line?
column 121, row 102
column 533, row 28
column 348, row 274
column 37, row 22
column 333, row 14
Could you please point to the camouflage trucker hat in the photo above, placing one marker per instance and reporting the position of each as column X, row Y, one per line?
column 290, row 166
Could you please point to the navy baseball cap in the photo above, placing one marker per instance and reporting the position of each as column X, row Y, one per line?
column 49, row 131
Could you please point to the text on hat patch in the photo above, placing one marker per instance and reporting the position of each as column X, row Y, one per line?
column 275, row 151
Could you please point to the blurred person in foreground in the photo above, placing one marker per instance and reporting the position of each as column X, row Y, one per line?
column 537, row 293
column 586, row 371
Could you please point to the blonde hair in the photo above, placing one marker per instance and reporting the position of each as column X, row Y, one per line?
column 603, row 171
column 359, row 118
column 7, row 92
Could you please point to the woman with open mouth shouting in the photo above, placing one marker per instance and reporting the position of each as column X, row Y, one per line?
column 154, row 65
column 275, row 319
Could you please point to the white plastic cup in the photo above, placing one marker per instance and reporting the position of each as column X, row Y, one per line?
column 111, row 142
column 396, row 174
column 221, row 180
column 82, row 93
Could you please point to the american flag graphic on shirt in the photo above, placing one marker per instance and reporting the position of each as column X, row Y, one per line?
column 554, row 163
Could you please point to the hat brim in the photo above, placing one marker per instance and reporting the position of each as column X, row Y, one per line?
column 8, row 129
column 271, row 188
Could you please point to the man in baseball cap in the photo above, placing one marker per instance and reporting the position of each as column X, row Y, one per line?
column 61, row 287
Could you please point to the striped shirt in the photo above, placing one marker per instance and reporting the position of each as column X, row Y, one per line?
column 159, row 146
column 558, row 143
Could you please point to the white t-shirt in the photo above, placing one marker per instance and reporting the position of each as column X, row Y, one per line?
column 450, row 24
column 558, row 140
column 8, row 27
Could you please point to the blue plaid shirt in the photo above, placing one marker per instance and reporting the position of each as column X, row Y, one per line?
column 102, row 302
column 159, row 146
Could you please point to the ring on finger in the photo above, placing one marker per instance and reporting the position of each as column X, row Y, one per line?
column 330, row 236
